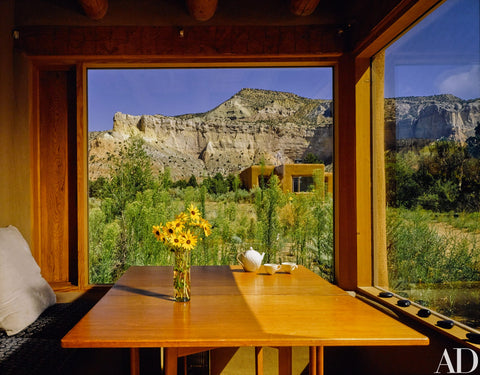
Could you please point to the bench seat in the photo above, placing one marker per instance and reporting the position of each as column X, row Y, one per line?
column 37, row 350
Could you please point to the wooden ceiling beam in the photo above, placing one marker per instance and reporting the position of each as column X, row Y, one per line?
column 94, row 9
column 221, row 42
column 202, row 10
column 303, row 7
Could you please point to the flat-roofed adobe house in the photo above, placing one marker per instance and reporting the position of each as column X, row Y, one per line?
column 46, row 48
column 295, row 178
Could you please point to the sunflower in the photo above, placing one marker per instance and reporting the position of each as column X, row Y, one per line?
column 178, row 225
column 194, row 213
column 169, row 228
column 182, row 232
column 182, row 216
column 175, row 240
column 189, row 240
column 206, row 226
column 158, row 232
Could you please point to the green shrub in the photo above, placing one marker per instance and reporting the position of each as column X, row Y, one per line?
column 267, row 203
column 418, row 253
column 103, row 238
column 442, row 176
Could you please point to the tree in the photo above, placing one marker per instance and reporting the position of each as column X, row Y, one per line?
column 473, row 143
column 441, row 177
column 96, row 188
column 312, row 159
column 216, row 185
column 131, row 173
column 165, row 178
column 267, row 204
column 441, row 174
column 401, row 186
column 192, row 181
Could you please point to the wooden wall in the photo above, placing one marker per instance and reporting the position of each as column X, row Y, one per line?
column 6, row 111
column 54, row 178
column 15, row 194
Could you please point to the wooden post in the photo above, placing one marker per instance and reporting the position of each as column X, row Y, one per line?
column 319, row 360
column 171, row 356
column 202, row 10
column 258, row 360
column 316, row 360
column 378, row 171
column 285, row 360
column 345, row 175
column 312, row 363
column 134, row 361
column 363, row 171
column 94, row 9
column 303, row 7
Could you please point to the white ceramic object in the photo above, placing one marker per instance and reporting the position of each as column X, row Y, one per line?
column 271, row 268
column 251, row 260
column 289, row 267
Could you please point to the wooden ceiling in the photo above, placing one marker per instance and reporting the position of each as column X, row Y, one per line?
column 211, row 27
column 200, row 10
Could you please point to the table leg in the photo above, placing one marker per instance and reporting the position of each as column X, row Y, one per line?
column 171, row 355
column 285, row 360
column 312, row 365
column 259, row 360
column 316, row 360
column 134, row 361
column 184, row 360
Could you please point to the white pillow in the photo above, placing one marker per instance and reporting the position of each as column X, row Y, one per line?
column 24, row 293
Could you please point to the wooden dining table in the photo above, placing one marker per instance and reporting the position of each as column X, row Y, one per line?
column 233, row 308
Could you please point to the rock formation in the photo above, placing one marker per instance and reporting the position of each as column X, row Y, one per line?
column 274, row 126
column 432, row 117
column 252, row 125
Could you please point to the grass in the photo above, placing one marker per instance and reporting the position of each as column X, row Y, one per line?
column 435, row 260
column 419, row 253
column 468, row 221
column 260, row 219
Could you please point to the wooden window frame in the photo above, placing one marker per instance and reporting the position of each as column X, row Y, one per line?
column 79, row 278
column 370, row 176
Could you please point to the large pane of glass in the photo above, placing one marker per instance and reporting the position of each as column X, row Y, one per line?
column 222, row 139
column 431, row 159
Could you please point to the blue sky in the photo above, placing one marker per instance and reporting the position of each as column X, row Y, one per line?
column 438, row 56
column 173, row 92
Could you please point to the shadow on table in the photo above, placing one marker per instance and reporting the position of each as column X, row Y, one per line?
column 143, row 292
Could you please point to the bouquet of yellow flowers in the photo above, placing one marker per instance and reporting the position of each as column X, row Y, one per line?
column 179, row 233
column 180, row 236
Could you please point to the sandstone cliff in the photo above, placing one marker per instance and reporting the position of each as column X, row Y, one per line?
column 432, row 117
column 253, row 124
column 276, row 126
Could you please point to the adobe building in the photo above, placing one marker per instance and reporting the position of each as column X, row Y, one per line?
column 297, row 178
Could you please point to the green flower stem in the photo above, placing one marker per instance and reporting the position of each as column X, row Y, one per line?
column 181, row 275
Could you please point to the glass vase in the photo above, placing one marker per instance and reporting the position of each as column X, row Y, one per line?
column 181, row 276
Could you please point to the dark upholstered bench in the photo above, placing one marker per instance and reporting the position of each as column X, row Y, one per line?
column 37, row 349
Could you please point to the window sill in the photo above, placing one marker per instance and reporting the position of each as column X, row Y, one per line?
column 457, row 332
